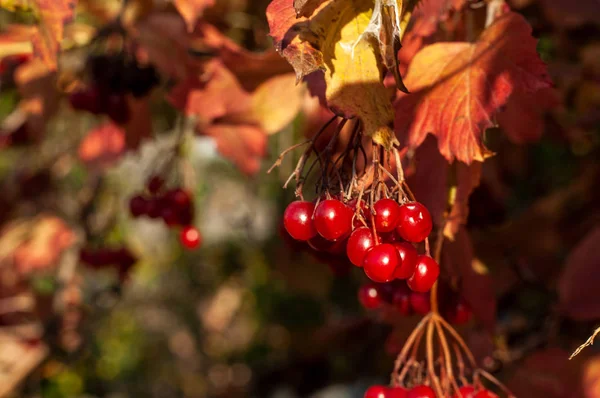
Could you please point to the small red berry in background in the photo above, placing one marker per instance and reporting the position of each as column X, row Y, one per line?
column 370, row 296
column 420, row 302
column 377, row 392
column 359, row 243
column 138, row 206
column 408, row 260
column 460, row 313
column 190, row 237
column 426, row 273
column 387, row 215
column 415, row 222
column 421, row 392
column 298, row 222
column 155, row 184
column 401, row 300
column 333, row 219
column 381, row 262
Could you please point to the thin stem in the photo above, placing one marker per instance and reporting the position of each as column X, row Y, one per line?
column 460, row 342
column 409, row 342
column 430, row 360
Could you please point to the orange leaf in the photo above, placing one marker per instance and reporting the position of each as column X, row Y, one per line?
column 459, row 87
column 305, row 8
column 102, row 146
column 53, row 15
column 191, row 10
column 242, row 144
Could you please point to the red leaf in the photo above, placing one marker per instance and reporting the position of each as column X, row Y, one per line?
column 476, row 283
column 191, row 10
column 102, row 146
column 305, row 8
column 578, row 285
column 459, row 87
column 522, row 119
column 243, row 145
column 139, row 125
column 53, row 15
column 467, row 179
column 285, row 30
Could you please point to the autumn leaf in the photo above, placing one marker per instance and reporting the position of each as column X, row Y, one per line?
column 578, row 285
column 305, row 8
column 467, row 179
column 191, row 10
column 522, row 119
column 53, row 15
column 460, row 87
column 102, row 146
column 334, row 40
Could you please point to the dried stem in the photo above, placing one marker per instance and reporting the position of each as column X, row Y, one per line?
column 587, row 343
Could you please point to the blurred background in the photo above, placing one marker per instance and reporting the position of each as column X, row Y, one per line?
column 250, row 313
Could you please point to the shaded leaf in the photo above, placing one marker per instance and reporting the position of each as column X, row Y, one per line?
column 578, row 285
column 459, row 87
column 467, row 179
column 53, row 15
column 522, row 119
column 476, row 284
column 191, row 10
column 305, row 8
column 139, row 125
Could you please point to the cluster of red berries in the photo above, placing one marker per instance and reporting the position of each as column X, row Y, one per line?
column 120, row 258
column 113, row 77
column 378, row 239
column 174, row 206
column 423, row 391
column 408, row 302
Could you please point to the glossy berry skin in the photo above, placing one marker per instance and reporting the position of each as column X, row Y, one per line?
column 420, row 303
column 370, row 296
column 138, row 206
column 381, row 262
column 415, row 222
column 190, row 237
column 377, row 392
column 387, row 215
column 397, row 392
column 426, row 273
column 421, row 392
column 297, row 220
column 401, row 300
column 333, row 219
column 359, row 243
column 408, row 260
column 465, row 392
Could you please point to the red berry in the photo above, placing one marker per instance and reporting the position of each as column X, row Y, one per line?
column 387, row 215
column 170, row 216
column 117, row 108
column 377, row 392
column 333, row 219
column 460, row 313
column 397, row 392
column 179, row 198
column 370, row 296
column 381, row 262
column 408, row 260
column 421, row 392
column 154, row 207
column 359, row 243
column 420, row 302
column 190, row 237
column 426, row 273
column 465, row 392
column 87, row 99
column 415, row 222
column 138, row 206
column 297, row 220
column 485, row 394
column 155, row 184
column 401, row 300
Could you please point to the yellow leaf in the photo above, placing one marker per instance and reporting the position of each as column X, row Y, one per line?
column 353, row 70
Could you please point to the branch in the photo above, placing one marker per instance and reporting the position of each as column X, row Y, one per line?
column 588, row 343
